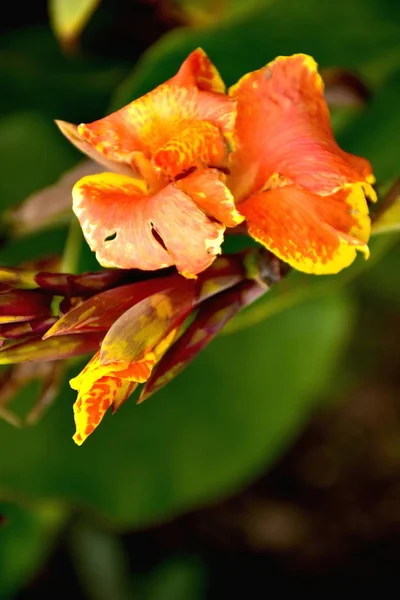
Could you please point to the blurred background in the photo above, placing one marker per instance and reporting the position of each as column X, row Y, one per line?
column 274, row 459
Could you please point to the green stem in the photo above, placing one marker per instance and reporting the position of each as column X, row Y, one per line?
column 72, row 250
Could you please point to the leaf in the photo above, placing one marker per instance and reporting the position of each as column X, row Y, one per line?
column 248, row 40
column 375, row 132
column 203, row 12
column 49, row 206
column 35, row 75
column 32, row 155
column 387, row 220
column 213, row 429
column 56, row 348
column 69, row 17
column 26, row 537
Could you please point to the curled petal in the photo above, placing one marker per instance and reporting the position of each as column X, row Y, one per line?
column 72, row 134
column 148, row 123
column 129, row 229
column 313, row 234
column 284, row 132
column 207, row 189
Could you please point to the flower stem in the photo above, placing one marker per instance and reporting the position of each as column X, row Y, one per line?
column 72, row 250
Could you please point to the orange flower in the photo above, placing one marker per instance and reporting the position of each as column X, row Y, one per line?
column 166, row 202
column 303, row 197
column 189, row 160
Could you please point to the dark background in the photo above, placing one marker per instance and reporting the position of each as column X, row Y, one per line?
column 273, row 463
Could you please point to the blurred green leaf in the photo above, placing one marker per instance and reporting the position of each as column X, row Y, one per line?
column 387, row 219
column 25, row 540
column 214, row 428
column 176, row 579
column 33, row 155
column 100, row 562
column 35, row 75
column 381, row 284
column 344, row 34
column 297, row 287
column 375, row 132
column 69, row 17
column 205, row 12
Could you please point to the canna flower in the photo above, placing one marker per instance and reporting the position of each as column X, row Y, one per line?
column 190, row 160
column 145, row 331
column 165, row 202
column 303, row 197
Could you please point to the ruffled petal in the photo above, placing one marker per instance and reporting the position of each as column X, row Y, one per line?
column 129, row 229
column 148, row 123
column 207, row 189
column 313, row 234
column 201, row 143
column 284, row 132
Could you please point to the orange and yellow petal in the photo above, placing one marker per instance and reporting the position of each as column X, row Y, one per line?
column 102, row 386
column 314, row 234
column 129, row 229
column 90, row 408
column 207, row 189
column 198, row 70
column 70, row 131
column 201, row 143
column 148, row 123
column 283, row 128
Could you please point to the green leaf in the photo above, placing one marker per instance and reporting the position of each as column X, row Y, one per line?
column 176, row 579
column 375, row 132
column 297, row 287
column 213, row 429
column 35, row 75
column 25, row 540
column 387, row 219
column 32, row 157
column 69, row 17
column 341, row 33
